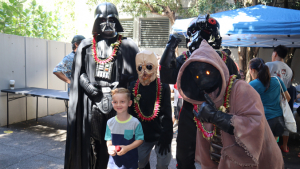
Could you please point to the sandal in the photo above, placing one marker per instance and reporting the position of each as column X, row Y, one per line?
column 286, row 151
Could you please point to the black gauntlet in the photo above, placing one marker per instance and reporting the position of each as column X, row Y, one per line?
column 168, row 58
column 92, row 90
column 209, row 113
column 164, row 147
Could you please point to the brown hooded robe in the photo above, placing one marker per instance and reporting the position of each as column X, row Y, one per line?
column 253, row 144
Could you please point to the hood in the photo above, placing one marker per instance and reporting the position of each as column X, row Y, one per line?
column 205, row 53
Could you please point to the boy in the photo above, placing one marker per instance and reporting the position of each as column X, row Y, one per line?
column 123, row 130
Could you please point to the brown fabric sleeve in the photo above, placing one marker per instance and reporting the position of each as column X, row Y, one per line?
column 244, row 148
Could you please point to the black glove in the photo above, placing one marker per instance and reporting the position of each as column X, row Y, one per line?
column 168, row 58
column 164, row 148
column 209, row 113
column 93, row 90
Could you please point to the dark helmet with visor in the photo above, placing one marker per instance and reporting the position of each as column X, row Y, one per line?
column 204, row 27
column 106, row 11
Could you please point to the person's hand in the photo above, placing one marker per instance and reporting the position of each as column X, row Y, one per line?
column 174, row 40
column 111, row 150
column 92, row 89
column 207, row 110
column 124, row 150
column 164, row 148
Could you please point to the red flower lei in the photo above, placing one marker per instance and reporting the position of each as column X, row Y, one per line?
column 228, row 90
column 185, row 55
column 156, row 104
column 205, row 133
column 209, row 134
column 113, row 54
column 224, row 56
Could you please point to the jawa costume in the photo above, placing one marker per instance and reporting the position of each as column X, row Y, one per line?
column 101, row 63
column 206, row 28
column 231, row 106
column 152, row 106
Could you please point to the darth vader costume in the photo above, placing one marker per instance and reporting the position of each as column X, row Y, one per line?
column 101, row 63
column 152, row 106
column 233, row 131
column 203, row 27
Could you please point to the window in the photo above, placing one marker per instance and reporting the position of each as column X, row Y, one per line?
column 128, row 28
column 154, row 33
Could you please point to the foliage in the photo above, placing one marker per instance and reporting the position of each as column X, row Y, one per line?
column 296, row 5
column 32, row 21
column 213, row 6
column 65, row 10
column 167, row 7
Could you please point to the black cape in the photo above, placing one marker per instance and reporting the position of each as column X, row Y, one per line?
column 77, row 154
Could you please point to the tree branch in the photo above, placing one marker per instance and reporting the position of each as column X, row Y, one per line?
column 152, row 10
column 178, row 3
column 274, row 3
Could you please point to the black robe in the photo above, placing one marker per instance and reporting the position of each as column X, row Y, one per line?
column 186, row 138
column 78, row 150
column 161, row 128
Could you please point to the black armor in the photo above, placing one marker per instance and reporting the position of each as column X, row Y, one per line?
column 204, row 27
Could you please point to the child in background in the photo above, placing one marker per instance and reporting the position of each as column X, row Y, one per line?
column 123, row 131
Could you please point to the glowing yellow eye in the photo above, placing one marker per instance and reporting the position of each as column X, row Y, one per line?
column 207, row 72
column 197, row 77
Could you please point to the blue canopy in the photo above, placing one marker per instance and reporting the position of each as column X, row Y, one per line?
column 259, row 26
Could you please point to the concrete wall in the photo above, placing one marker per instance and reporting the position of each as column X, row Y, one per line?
column 12, row 67
column 56, row 51
column 30, row 62
column 36, row 74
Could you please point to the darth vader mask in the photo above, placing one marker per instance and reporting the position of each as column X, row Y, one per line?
column 107, row 22
column 146, row 66
column 107, row 28
column 199, row 78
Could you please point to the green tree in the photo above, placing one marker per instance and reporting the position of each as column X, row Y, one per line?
column 167, row 8
column 65, row 10
column 32, row 21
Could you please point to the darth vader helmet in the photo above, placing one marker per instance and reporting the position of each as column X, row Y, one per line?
column 204, row 27
column 107, row 21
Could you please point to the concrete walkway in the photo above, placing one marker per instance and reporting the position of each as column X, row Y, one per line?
column 41, row 145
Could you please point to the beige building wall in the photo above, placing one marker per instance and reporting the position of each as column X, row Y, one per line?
column 30, row 62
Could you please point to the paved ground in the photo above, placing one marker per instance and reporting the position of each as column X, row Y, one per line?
column 41, row 145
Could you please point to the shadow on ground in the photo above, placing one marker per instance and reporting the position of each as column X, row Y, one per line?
column 41, row 144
